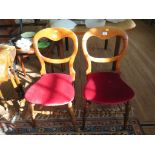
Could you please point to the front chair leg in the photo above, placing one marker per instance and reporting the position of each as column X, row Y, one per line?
column 33, row 115
column 71, row 112
column 126, row 115
column 19, row 88
column 84, row 114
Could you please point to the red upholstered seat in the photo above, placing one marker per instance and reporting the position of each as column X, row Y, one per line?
column 107, row 88
column 51, row 89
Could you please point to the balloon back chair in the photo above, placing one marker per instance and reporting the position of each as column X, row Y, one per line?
column 106, row 88
column 53, row 89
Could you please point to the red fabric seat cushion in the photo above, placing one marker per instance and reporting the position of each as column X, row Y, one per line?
column 51, row 89
column 106, row 88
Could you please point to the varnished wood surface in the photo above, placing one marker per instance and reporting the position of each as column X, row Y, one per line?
column 139, row 66
column 56, row 34
column 125, row 25
column 104, row 33
column 137, row 69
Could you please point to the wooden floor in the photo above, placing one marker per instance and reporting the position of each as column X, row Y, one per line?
column 138, row 70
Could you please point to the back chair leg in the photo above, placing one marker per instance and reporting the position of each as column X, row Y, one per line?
column 72, row 114
column 19, row 88
column 126, row 115
column 106, row 44
column 13, row 82
column 31, row 107
column 84, row 114
column 15, row 86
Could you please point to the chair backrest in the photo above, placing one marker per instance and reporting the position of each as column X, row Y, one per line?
column 104, row 33
column 56, row 34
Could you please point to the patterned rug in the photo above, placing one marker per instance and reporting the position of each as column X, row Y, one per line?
column 106, row 126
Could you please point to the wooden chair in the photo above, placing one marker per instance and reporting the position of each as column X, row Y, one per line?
column 7, row 72
column 53, row 89
column 106, row 88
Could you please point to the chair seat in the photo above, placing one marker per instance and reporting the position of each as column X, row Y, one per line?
column 107, row 88
column 51, row 89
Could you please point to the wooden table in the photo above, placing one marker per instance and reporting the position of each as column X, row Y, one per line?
column 126, row 25
column 21, row 54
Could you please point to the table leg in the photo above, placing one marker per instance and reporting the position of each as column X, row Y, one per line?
column 60, row 49
column 117, row 47
column 49, row 50
column 106, row 44
column 66, row 44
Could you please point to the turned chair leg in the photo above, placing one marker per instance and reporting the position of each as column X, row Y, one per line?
column 126, row 115
column 14, row 83
column 72, row 114
column 84, row 114
column 19, row 87
column 33, row 115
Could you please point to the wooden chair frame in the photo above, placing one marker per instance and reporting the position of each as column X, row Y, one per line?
column 16, row 85
column 10, row 73
column 56, row 34
column 105, row 33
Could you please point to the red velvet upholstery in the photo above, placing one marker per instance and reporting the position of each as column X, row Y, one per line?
column 107, row 88
column 51, row 89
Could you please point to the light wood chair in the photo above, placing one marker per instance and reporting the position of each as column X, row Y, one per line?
column 53, row 89
column 106, row 88
column 7, row 72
